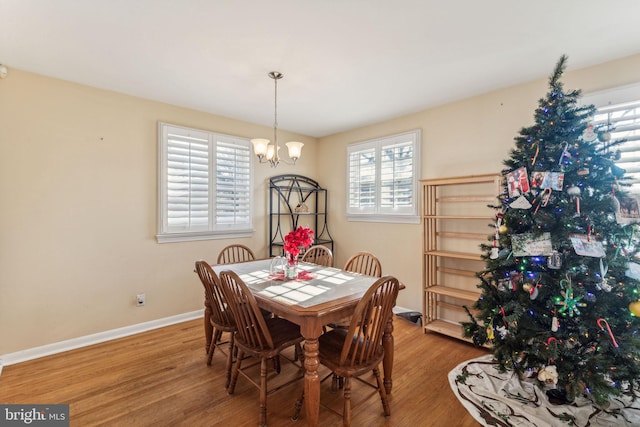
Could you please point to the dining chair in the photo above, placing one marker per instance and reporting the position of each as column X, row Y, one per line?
column 235, row 253
column 259, row 337
column 320, row 255
column 364, row 263
column 350, row 353
column 217, row 316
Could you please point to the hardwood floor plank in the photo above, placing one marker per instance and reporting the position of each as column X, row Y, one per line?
column 160, row 378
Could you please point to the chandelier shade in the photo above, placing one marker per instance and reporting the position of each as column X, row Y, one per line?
column 269, row 152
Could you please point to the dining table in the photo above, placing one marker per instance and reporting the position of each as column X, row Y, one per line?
column 318, row 296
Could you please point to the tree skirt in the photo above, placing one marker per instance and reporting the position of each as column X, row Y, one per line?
column 502, row 399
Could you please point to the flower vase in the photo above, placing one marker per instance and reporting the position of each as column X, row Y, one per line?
column 291, row 269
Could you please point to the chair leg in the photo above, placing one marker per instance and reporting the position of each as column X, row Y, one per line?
column 230, row 359
column 383, row 393
column 208, row 328
column 276, row 364
column 263, row 393
column 298, row 406
column 346, row 412
column 299, row 354
column 215, row 337
column 212, row 347
column 236, row 371
column 334, row 383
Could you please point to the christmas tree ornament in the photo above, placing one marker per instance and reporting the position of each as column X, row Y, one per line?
column 490, row 333
column 517, row 182
column 569, row 304
column 548, row 375
column 495, row 252
column 533, row 293
column 554, row 324
column 520, row 203
column 565, row 156
column 573, row 191
column 603, row 284
column 604, row 136
column 555, row 260
column 602, row 321
column 502, row 331
column 634, row 308
column 588, row 135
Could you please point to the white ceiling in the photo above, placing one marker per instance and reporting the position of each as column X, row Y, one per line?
column 346, row 63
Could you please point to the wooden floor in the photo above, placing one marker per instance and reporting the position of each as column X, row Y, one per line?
column 159, row 378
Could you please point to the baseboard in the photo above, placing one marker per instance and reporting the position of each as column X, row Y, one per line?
column 61, row 346
column 398, row 309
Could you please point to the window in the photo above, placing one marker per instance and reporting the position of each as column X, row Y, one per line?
column 205, row 185
column 383, row 178
column 620, row 108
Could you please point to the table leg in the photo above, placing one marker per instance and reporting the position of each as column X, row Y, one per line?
column 311, row 381
column 387, row 362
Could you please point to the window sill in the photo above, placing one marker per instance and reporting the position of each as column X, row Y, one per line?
column 398, row 219
column 207, row 235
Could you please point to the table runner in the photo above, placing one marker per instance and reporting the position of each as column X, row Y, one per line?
column 502, row 399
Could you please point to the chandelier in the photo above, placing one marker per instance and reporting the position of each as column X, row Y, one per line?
column 264, row 149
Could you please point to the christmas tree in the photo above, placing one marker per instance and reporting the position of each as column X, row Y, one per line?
column 557, row 291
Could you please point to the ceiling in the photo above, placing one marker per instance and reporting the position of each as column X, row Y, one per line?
column 346, row 63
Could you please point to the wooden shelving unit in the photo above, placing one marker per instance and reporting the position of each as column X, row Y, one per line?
column 456, row 221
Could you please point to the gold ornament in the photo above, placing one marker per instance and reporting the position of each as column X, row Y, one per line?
column 634, row 307
column 527, row 287
column 490, row 334
column 502, row 229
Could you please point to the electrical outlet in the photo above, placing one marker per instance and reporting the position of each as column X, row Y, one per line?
column 140, row 300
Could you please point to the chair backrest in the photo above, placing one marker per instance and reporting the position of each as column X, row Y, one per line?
column 235, row 253
column 320, row 255
column 252, row 329
column 363, row 344
column 213, row 296
column 364, row 263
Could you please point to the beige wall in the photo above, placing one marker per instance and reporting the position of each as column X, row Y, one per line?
column 78, row 197
column 469, row 137
column 78, row 211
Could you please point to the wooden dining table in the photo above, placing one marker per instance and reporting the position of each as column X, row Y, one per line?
column 319, row 296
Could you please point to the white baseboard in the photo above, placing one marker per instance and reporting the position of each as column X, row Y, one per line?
column 398, row 309
column 61, row 346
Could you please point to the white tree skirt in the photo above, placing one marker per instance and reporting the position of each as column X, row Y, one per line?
column 502, row 399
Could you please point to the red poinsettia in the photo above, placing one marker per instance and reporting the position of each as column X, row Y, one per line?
column 302, row 237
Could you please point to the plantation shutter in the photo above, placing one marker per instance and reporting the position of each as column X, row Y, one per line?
column 396, row 176
column 233, row 179
column 362, row 179
column 205, row 185
column 383, row 179
column 624, row 118
column 187, row 180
